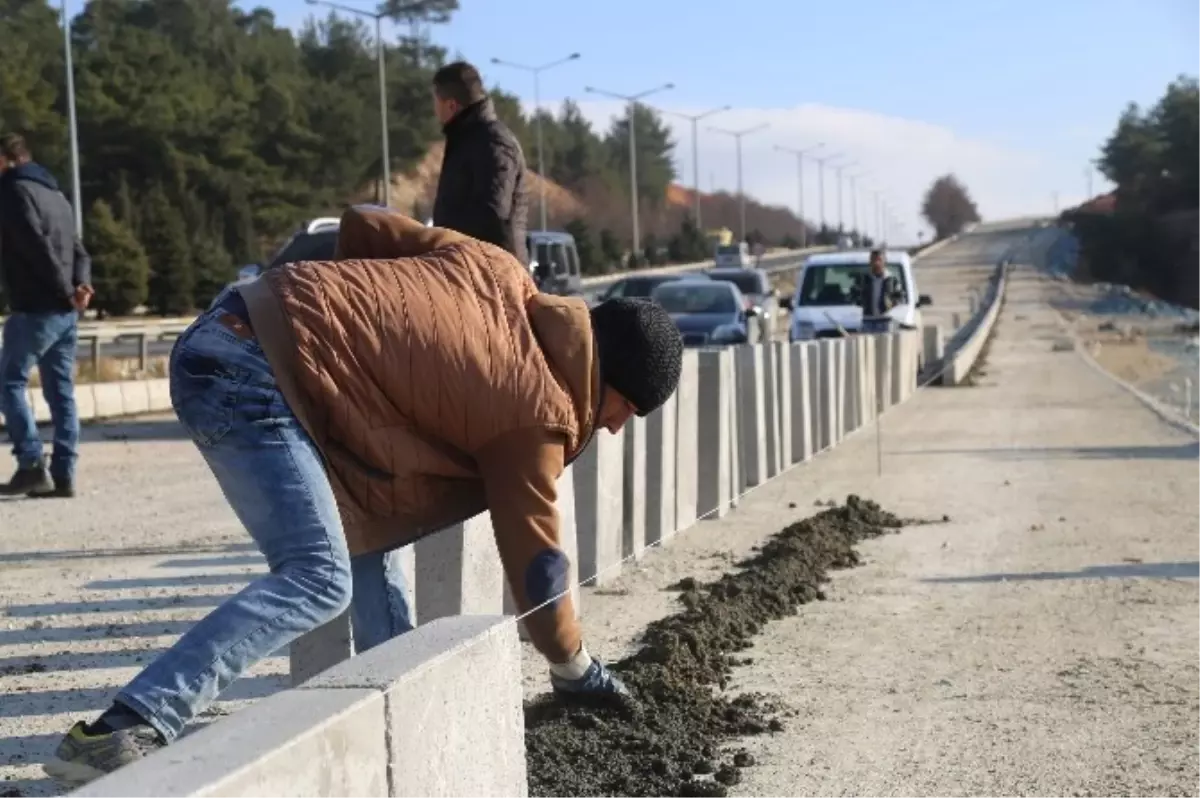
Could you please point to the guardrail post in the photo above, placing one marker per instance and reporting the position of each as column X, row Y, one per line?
column 143, row 351
column 95, row 349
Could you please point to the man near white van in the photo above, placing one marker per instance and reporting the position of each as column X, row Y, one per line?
column 878, row 293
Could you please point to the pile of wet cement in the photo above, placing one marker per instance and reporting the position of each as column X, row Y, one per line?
column 675, row 741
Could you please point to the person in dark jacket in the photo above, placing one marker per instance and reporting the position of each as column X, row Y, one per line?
column 47, row 278
column 482, row 188
column 878, row 292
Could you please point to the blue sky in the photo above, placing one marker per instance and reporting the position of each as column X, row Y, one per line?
column 1015, row 96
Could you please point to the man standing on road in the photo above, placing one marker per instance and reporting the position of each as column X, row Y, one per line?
column 47, row 278
column 350, row 407
column 878, row 293
column 481, row 190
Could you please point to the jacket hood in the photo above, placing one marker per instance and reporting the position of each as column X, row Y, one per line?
column 34, row 173
column 563, row 326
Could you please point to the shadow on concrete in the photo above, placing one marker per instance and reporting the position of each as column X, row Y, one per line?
column 140, row 604
column 134, row 430
column 127, row 551
column 179, row 580
column 1184, row 451
column 1147, row 570
column 29, row 664
column 95, row 631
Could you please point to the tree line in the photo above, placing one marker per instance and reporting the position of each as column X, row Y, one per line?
column 208, row 133
column 1147, row 237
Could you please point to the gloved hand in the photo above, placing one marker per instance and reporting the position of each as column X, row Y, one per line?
column 598, row 685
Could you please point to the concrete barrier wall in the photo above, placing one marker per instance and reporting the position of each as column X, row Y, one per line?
column 740, row 416
column 101, row 400
column 960, row 361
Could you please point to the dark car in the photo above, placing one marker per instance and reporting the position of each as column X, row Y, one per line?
column 755, row 285
column 638, row 286
column 708, row 313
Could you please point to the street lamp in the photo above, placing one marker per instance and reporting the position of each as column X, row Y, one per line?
column 821, row 181
column 76, row 195
column 854, row 199
column 839, row 168
column 383, row 115
column 696, row 149
column 737, row 136
column 633, row 184
column 800, row 179
column 537, row 104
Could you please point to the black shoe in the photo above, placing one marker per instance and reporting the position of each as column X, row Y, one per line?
column 29, row 481
column 63, row 489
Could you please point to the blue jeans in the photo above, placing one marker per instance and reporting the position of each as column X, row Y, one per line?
column 272, row 475
column 882, row 324
column 47, row 340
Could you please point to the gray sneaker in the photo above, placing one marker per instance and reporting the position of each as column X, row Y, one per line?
column 83, row 757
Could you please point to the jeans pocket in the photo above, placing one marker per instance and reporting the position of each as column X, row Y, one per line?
column 205, row 392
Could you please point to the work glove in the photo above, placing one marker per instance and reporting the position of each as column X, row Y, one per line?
column 598, row 686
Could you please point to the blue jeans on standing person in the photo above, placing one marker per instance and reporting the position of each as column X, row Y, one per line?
column 880, row 324
column 272, row 475
column 48, row 341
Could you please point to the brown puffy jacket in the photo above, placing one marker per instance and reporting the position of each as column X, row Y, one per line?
column 437, row 383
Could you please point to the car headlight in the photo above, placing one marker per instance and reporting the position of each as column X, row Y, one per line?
column 729, row 334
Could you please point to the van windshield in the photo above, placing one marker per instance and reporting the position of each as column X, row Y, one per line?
column 837, row 283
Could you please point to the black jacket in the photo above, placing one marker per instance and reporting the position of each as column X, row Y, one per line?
column 41, row 258
column 482, row 188
column 891, row 295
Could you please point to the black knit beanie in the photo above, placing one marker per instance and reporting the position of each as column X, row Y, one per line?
column 641, row 353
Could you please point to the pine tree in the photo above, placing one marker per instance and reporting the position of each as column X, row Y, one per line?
column 120, row 270
column 172, row 281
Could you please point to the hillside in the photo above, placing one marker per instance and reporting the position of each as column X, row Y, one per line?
column 413, row 192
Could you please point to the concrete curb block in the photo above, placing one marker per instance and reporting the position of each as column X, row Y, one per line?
column 97, row 401
column 960, row 361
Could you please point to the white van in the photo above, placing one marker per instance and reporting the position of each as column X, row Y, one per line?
column 824, row 298
column 733, row 256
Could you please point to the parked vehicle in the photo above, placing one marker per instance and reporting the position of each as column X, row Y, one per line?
column 755, row 286
column 316, row 239
column 554, row 262
column 641, row 285
column 827, row 300
column 735, row 255
column 708, row 313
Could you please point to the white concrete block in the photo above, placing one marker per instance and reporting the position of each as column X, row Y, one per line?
column 828, row 393
column 814, row 397
column 452, row 692
column 735, row 434
column 135, row 396
column 319, row 742
column 770, row 397
column 687, row 432
column 160, row 394
column 599, row 501
column 849, row 386
column 752, row 415
column 933, row 345
column 458, row 571
column 883, row 371
column 716, row 440
column 109, row 401
column 896, row 382
column 85, row 402
column 633, row 510
column 660, row 472
column 785, row 386
column 800, row 407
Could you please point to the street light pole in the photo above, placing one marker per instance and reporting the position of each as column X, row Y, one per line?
column 800, row 179
column 633, row 184
column 76, row 193
column 839, row 169
column 737, row 136
column 854, row 200
column 821, row 182
column 695, row 119
column 383, row 107
column 537, row 105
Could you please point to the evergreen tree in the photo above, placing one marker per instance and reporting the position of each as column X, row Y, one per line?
column 172, row 280
column 120, row 270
